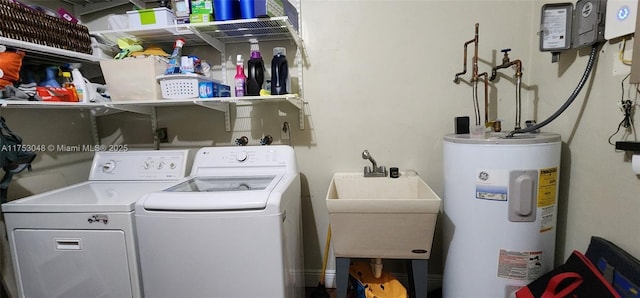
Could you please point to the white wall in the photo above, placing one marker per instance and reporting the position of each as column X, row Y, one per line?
column 380, row 77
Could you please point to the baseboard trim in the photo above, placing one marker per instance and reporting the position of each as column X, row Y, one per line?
column 311, row 279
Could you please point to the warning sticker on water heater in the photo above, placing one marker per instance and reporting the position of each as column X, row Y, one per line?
column 520, row 265
column 492, row 184
column 547, row 187
column 547, row 190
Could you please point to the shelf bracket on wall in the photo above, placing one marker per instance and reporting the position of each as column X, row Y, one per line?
column 208, row 39
column 154, row 129
column 299, row 104
column 94, row 127
column 218, row 106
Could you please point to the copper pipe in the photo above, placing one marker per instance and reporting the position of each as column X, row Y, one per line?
column 464, row 58
column 506, row 63
column 475, row 56
column 464, row 62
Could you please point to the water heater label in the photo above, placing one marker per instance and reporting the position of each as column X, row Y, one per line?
column 547, row 186
column 547, row 190
column 520, row 265
column 492, row 184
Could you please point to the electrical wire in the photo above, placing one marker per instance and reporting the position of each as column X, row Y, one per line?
column 621, row 53
column 626, row 106
column 585, row 76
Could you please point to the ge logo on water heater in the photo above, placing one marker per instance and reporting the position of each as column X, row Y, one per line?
column 484, row 176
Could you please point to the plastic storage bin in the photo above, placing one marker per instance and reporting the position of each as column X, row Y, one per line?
column 151, row 18
column 133, row 79
column 180, row 86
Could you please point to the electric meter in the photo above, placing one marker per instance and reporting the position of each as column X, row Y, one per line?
column 555, row 27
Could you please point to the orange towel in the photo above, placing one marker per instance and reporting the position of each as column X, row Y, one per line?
column 387, row 286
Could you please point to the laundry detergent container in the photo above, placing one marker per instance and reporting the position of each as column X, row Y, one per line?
column 382, row 217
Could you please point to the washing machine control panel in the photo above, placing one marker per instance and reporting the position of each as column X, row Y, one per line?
column 225, row 158
column 139, row 165
column 242, row 156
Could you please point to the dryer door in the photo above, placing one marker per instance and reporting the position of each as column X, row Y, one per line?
column 68, row 263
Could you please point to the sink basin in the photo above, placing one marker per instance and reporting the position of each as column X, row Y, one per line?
column 382, row 217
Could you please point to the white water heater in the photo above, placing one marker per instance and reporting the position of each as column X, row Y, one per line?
column 500, row 209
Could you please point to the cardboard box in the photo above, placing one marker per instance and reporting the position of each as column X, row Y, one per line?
column 133, row 78
column 201, row 7
column 151, row 18
column 200, row 18
column 213, row 89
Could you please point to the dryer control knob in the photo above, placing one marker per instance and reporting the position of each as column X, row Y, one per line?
column 241, row 156
column 109, row 166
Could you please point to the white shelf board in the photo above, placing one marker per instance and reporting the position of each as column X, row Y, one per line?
column 38, row 51
column 146, row 106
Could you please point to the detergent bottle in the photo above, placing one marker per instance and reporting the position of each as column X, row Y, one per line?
column 279, row 72
column 68, row 84
column 255, row 71
column 240, row 78
column 79, row 83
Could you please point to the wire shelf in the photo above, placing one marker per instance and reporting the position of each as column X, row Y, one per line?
column 212, row 33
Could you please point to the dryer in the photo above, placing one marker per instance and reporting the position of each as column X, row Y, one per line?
column 79, row 241
column 230, row 229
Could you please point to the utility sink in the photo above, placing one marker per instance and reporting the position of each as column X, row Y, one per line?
column 382, row 217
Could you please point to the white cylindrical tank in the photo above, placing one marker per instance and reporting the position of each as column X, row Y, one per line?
column 500, row 210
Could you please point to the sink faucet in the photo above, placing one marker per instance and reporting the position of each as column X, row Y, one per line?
column 373, row 171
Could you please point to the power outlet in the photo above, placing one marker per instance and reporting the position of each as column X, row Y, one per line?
column 284, row 131
column 162, row 135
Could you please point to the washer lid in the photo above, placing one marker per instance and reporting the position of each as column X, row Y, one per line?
column 96, row 196
column 215, row 194
column 211, row 184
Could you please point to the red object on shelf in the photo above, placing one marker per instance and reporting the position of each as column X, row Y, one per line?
column 56, row 94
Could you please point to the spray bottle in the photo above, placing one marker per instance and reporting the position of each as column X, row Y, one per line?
column 240, row 78
column 79, row 82
column 255, row 70
column 174, row 60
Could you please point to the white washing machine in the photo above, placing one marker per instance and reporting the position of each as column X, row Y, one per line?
column 230, row 229
column 79, row 241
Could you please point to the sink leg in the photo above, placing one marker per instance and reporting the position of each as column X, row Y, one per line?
column 418, row 277
column 342, row 276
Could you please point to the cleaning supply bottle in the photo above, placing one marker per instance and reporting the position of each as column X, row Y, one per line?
column 51, row 81
column 174, row 60
column 240, row 78
column 255, row 71
column 68, row 84
column 279, row 72
column 79, row 83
